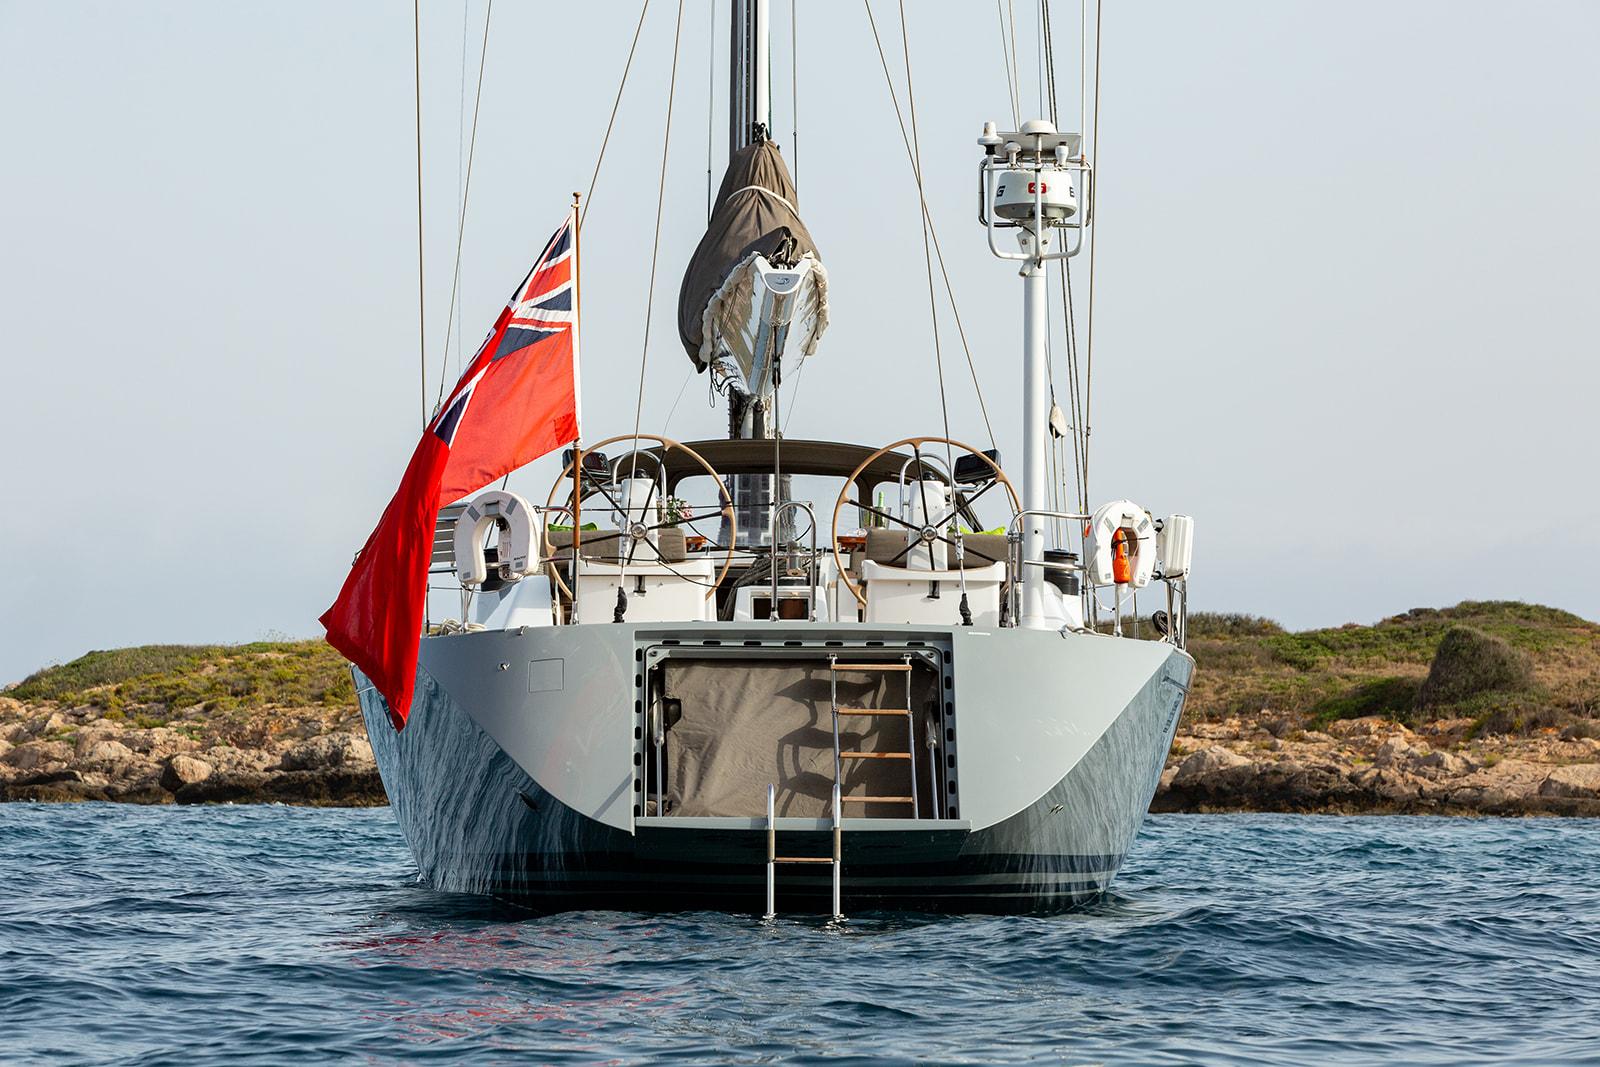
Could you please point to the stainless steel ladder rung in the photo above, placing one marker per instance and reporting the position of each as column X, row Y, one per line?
column 773, row 859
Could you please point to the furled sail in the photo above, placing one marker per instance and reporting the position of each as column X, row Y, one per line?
column 755, row 291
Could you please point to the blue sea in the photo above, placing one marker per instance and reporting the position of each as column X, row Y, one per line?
column 273, row 935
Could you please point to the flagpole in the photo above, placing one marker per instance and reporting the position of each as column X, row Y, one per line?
column 577, row 445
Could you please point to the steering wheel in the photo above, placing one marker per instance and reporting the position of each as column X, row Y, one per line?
column 929, row 532
column 637, row 531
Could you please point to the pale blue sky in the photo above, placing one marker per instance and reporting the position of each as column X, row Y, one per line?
column 1347, row 267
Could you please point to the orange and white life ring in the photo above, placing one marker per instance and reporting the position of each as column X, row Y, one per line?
column 1121, row 545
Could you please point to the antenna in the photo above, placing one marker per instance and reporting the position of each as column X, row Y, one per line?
column 1033, row 180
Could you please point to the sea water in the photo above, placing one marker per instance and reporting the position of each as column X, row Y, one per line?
column 274, row 935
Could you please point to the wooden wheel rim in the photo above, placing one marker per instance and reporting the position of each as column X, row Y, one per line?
column 915, row 443
column 667, row 445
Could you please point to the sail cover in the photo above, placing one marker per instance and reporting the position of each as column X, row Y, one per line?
column 740, row 297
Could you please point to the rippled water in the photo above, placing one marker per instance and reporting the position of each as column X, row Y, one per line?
column 276, row 935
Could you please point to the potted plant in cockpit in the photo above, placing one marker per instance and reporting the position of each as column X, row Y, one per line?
column 676, row 511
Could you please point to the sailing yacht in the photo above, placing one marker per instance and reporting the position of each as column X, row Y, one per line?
column 920, row 688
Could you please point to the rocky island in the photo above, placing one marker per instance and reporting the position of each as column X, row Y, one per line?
column 1484, row 708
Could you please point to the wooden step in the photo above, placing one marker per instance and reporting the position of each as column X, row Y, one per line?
column 876, row 800
column 873, row 711
column 874, row 755
column 870, row 666
column 802, row 859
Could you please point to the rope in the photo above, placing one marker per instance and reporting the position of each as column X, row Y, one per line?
column 422, row 298
column 932, row 230
column 612, row 121
column 466, row 191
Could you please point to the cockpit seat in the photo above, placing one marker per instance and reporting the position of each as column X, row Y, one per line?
column 671, row 546
column 899, row 594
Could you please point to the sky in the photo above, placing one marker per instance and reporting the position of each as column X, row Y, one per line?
column 1345, row 279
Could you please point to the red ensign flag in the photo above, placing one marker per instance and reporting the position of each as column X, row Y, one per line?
column 515, row 402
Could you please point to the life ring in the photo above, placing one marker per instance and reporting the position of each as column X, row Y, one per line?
column 1121, row 545
column 513, row 517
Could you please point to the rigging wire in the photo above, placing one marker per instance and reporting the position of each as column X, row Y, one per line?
column 612, row 121
column 711, row 96
column 466, row 191
column 1011, row 77
column 794, row 92
column 422, row 295
column 461, row 163
column 1016, row 62
column 922, row 220
column 933, row 231
column 1094, row 243
column 655, row 245
column 1075, row 384
column 650, row 297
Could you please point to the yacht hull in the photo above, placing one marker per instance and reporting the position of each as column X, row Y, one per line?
column 518, row 775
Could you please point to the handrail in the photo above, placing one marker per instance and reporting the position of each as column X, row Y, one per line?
column 811, row 559
column 1015, row 561
column 1177, row 588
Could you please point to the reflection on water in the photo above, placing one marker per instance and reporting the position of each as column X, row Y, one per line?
column 267, row 934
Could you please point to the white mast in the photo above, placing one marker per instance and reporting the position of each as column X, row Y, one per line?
column 1030, row 180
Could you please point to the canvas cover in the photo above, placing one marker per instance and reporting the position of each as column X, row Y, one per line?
column 746, row 723
column 754, row 213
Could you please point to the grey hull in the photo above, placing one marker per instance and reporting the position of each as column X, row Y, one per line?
column 505, row 785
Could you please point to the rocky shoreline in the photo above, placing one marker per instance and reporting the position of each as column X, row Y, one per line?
column 318, row 756
column 287, row 755
column 1375, row 766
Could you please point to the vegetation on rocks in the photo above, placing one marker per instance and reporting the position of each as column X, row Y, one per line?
column 215, row 678
column 1486, row 707
column 269, row 721
column 1508, row 667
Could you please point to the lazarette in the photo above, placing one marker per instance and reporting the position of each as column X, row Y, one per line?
column 770, row 705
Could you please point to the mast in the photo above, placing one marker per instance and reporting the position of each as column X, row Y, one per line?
column 749, row 119
column 749, row 102
column 1031, row 183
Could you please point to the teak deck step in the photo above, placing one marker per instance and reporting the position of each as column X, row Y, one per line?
column 802, row 859
column 873, row 711
column 874, row 755
column 876, row 800
column 869, row 666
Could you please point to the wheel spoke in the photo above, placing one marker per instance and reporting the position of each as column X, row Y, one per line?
column 922, row 481
column 883, row 515
column 902, row 553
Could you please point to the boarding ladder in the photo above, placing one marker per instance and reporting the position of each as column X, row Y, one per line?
column 835, row 668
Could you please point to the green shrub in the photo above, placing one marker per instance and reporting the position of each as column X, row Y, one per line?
column 1394, row 698
column 1230, row 624
column 1470, row 662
